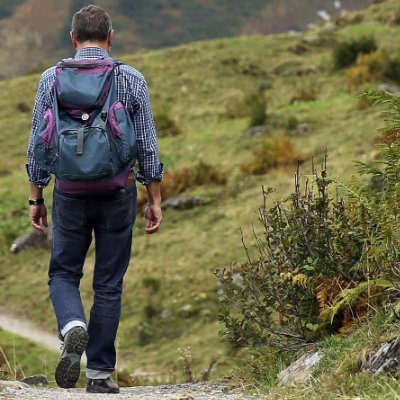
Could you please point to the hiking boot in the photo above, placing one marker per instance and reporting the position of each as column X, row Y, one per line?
column 69, row 366
column 102, row 386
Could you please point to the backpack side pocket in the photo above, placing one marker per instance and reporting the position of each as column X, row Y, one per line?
column 122, row 133
column 45, row 148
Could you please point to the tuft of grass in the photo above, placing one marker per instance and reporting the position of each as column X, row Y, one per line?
column 20, row 358
column 271, row 153
column 166, row 125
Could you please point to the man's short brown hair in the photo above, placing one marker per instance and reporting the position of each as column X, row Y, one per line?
column 91, row 23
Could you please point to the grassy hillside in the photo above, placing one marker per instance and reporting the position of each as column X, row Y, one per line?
column 203, row 87
column 29, row 40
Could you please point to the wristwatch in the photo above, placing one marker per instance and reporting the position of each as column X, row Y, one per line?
column 36, row 202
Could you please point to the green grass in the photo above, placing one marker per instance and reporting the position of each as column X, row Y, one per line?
column 198, row 83
column 25, row 358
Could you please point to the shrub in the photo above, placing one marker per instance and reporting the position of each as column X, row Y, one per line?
column 346, row 53
column 271, row 153
column 292, row 123
column 387, row 137
column 152, row 308
column 258, row 110
column 253, row 105
column 23, row 107
column 308, row 250
column 166, row 125
column 392, row 70
column 369, row 68
column 306, row 91
column 180, row 180
column 325, row 261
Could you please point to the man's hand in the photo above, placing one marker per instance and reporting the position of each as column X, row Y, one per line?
column 153, row 217
column 38, row 216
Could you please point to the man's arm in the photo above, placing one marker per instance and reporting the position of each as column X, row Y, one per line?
column 150, row 167
column 37, row 177
column 153, row 214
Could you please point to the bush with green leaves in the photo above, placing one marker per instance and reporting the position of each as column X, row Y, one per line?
column 346, row 53
column 253, row 104
column 258, row 109
column 325, row 260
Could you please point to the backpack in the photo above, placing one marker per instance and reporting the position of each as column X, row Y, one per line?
column 86, row 139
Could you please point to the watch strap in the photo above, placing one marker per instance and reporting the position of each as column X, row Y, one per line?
column 36, row 202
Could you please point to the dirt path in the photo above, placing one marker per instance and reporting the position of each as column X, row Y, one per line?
column 196, row 391
column 29, row 331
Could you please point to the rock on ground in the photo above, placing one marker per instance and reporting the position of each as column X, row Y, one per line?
column 195, row 391
column 31, row 240
column 385, row 359
column 182, row 202
column 300, row 370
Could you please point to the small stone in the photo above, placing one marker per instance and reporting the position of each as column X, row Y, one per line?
column 36, row 380
column 307, row 70
column 13, row 385
column 165, row 314
column 186, row 307
column 298, row 49
column 393, row 89
column 182, row 202
column 301, row 129
column 255, row 131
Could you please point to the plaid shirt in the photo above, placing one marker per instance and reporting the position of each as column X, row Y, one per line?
column 131, row 89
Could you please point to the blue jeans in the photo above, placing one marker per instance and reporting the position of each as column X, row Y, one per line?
column 111, row 218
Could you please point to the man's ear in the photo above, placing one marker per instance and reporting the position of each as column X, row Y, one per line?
column 73, row 40
column 110, row 38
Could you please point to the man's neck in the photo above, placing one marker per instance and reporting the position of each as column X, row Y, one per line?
column 104, row 46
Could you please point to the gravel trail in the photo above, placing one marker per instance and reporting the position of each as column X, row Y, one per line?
column 195, row 391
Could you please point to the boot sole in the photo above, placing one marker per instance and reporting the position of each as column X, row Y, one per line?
column 100, row 389
column 69, row 367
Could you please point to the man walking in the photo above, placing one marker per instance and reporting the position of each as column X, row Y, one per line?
column 109, row 214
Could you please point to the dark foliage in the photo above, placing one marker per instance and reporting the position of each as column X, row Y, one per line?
column 392, row 70
column 166, row 125
column 346, row 53
column 7, row 7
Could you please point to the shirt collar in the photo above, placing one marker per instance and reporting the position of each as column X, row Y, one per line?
column 91, row 53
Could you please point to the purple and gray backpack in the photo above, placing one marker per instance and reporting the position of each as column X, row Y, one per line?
column 86, row 139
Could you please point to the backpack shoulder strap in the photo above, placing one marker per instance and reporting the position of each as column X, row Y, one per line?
column 117, row 62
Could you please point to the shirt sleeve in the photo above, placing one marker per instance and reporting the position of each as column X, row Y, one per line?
column 150, row 167
column 36, row 175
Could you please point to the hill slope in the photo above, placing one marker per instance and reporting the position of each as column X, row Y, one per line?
column 170, row 291
column 31, row 40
